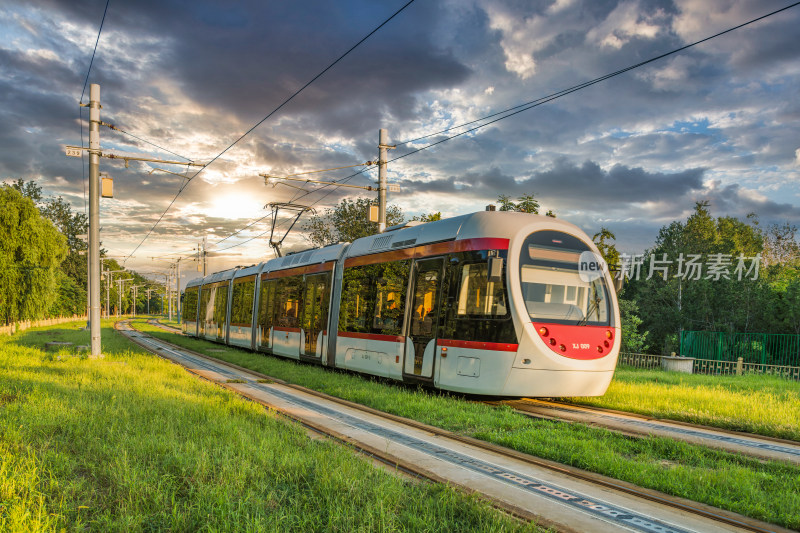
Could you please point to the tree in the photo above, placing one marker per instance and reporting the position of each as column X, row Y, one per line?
column 632, row 340
column 430, row 217
column 527, row 203
column 72, row 285
column 722, row 303
column 505, row 203
column 31, row 249
column 607, row 250
column 347, row 222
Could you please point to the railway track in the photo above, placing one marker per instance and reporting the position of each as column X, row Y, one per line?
column 637, row 425
column 632, row 424
column 554, row 495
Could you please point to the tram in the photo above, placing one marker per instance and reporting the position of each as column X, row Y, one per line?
column 489, row 303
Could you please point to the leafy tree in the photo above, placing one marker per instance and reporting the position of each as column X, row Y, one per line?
column 31, row 249
column 505, row 203
column 29, row 189
column 527, row 203
column 780, row 245
column 607, row 249
column 430, row 217
column 632, row 340
column 723, row 304
column 347, row 222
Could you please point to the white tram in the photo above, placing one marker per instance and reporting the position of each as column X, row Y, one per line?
column 490, row 303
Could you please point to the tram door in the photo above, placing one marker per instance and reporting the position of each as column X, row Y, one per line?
column 424, row 317
column 315, row 310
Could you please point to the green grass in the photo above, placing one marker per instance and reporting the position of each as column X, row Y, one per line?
column 173, row 323
column 766, row 405
column 131, row 442
column 767, row 491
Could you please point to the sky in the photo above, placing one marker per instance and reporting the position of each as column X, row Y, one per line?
column 719, row 122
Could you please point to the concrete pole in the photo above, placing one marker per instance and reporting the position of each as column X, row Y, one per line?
column 382, row 147
column 94, row 218
column 178, row 286
column 119, row 296
column 205, row 258
column 169, row 293
column 108, row 295
column 148, row 300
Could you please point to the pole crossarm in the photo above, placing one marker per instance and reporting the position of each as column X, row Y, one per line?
column 268, row 181
column 133, row 158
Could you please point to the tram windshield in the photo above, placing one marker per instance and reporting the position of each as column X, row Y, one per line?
column 552, row 287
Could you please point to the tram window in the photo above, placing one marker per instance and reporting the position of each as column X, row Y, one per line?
column 479, row 296
column 358, row 299
column 475, row 310
column 242, row 305
column 374, row 297
column 390, row 298
column 266, row 312
column 220, row 308
column 190, row 304
column 288, row 300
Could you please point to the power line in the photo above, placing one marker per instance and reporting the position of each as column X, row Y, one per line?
column 115, row 128
column 511, row 111
column 80, row 102
column 514, row 111
column 301, row 89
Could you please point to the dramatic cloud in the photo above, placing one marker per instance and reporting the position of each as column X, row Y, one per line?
column 718, row 122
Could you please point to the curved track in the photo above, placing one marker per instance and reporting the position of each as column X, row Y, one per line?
column 563, row 497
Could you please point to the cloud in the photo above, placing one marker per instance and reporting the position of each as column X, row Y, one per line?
column 718, row 121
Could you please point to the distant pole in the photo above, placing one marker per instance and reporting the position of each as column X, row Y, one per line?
column 108, row 293
column 133, row 307
column 148, row 300
column 382, row 148
column 205, row 258
column 178, row 285
column 94, row 218
column 169, row 293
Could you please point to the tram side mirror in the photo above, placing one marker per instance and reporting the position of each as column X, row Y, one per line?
column 495, row 269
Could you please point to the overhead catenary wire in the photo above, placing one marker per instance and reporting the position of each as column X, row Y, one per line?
column 116, row 128
column 80, row 104
column 511, row 111
column 270, row 114
column 517, row 109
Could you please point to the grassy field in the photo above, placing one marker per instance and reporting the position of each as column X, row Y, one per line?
column 768, row 491
column 133, row 443
column 761, row 404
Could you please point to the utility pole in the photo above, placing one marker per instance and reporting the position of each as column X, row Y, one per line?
column 148, row 299
column 109, row 281
column 169, row 290
column 119, row 294
column 204, row 258
column 94, row 218
column 383, row 146
column 134, row 287
column 178, row 288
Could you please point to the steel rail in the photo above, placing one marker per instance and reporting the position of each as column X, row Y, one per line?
column 681, row 504
column 666, row 420
column 635, row 424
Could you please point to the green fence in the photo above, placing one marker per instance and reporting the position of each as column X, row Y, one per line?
column 754, row 348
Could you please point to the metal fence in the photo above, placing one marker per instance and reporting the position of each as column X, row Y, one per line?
column 753, row 348
column 711, row 366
